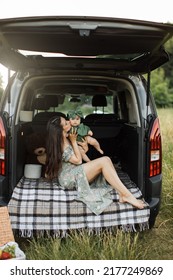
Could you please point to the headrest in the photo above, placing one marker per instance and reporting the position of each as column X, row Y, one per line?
column 99, row 100
column 40, row 104
column 43, row 117
column 51, row 100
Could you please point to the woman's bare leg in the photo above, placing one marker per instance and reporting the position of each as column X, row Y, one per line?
column 104, row 165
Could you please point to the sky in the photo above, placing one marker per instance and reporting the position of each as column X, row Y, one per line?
column 154, row 10
column 150, row 10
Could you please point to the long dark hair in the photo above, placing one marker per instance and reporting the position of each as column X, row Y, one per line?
column 54, row 147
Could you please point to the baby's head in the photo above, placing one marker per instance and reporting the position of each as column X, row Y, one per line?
column 75, row 117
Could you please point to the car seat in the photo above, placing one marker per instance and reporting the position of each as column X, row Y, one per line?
column 40, row 120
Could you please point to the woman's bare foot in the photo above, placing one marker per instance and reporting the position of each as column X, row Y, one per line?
column 132, row 200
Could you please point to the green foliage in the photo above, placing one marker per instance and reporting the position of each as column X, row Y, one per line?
column 168, row 67
column 162, row 80
column 160, row 88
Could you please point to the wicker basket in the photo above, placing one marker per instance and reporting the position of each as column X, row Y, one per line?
column 6, row 233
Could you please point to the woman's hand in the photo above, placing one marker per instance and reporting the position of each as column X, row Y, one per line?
column 76, row 158
column 72, row 135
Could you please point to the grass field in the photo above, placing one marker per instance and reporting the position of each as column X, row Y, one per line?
column 155, row 244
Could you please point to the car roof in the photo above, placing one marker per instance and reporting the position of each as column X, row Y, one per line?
column 103, row 43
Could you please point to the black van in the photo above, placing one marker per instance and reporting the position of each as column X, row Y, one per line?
column 97, row 65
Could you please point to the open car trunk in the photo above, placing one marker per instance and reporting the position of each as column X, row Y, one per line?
column 117, row 128
column 122, row 44
column 60, row 64
column 120, row 137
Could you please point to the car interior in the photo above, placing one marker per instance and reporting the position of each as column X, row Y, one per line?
column 108, row 107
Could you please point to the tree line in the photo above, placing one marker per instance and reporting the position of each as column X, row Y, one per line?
column 162, row 81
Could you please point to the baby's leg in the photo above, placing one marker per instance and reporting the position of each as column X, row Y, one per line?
column 93, row 142
column 83, row 154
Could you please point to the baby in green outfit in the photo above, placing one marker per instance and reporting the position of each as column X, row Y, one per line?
column 84, row 133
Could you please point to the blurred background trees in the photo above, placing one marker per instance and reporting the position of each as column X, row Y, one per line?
column 162, row 81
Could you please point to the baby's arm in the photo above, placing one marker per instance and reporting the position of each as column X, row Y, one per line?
column 90, row 133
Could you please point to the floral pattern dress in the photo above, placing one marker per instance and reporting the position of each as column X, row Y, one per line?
column 96, row 195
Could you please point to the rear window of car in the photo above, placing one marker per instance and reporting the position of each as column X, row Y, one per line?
column 85, row 105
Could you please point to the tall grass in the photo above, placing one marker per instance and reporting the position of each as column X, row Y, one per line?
column 106, row 246
column 156, row 243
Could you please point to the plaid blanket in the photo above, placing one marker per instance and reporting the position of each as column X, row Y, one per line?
column 41, row 206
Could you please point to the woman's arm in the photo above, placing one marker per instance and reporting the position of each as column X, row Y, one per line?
column 76, row 158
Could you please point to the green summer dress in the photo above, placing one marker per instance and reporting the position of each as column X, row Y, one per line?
column 96, row 195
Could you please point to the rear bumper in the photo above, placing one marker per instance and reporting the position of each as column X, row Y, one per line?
column 154, row 210
column 153, row 191
column 154, row 206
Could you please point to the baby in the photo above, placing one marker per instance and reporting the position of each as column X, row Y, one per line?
column 83, row 132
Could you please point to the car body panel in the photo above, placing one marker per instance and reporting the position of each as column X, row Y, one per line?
column 127, row 45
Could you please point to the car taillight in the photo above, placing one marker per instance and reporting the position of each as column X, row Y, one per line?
column 2, row 148
column 155, row 150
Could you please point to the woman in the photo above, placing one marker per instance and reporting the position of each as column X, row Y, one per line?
column 64, row 162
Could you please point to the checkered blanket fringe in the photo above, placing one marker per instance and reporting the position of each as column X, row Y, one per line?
column 40, row 207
